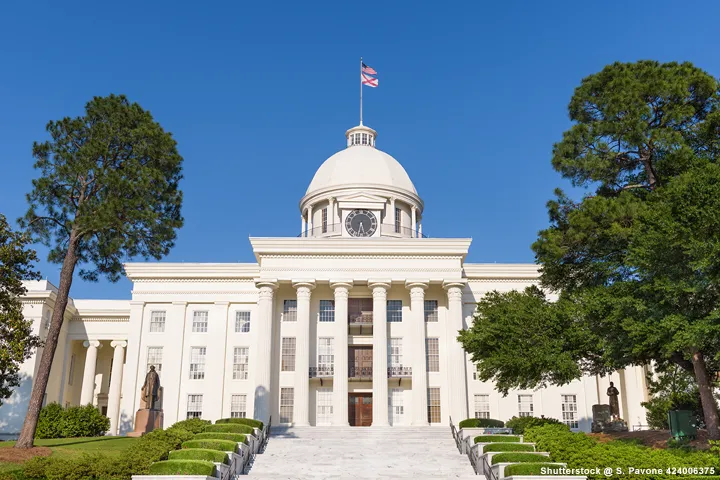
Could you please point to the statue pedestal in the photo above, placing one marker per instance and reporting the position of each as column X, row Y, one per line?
column 146, row 420
column 603, row 421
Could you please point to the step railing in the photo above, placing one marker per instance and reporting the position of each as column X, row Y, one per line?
column 456, row 436
column 486, row 469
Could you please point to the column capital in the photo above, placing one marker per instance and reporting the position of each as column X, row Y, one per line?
column 340, row 283
column 299, row 283
column 331, row 199
column 410, row 284
column 118, row 344
column 459, row 283
column 379, row 287
column 267, row 282
column 92, row 343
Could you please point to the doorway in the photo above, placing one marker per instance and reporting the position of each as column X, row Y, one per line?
column 360, row 409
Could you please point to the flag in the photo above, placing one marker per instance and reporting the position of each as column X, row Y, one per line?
column 370, row 70
column 368, row 80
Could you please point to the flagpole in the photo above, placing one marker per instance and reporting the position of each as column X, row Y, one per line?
column 360, row 91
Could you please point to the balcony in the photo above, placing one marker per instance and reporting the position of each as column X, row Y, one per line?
column 399, row 372
column 360, row 323
column 360, row 374
column 322, row 372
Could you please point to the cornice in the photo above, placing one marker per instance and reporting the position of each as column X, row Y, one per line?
column 195, row 292
column 380, row 270
column 500, row 271
column 101, row 319
column 189, row 272
column 367, row 188
column 362, row 257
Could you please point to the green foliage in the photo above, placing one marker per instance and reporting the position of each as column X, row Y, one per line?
column 71, row 422
column 520, row 424
column 194, row 425
column 496, row 438
column 507, row 447
column 480, row 423
column 527, row 469
column 674, row 389
column 243, row 421
column 222, row 445
column 17, row 341
column 519, row 457
column 235, row 437
column 173, row 436
column 183, row 467
column 229, row 428
column 199, row 454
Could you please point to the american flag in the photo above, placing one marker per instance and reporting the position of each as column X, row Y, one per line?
column 368, row 76
column 369, row 70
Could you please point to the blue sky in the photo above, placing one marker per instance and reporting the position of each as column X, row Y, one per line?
column 258, row 94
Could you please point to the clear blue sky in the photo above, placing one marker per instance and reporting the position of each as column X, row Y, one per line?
column 472, row 97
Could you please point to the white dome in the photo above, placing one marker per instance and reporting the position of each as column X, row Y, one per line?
column 361, row 165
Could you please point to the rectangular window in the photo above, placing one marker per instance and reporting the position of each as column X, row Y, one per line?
column 200, row 322
column 157, row 322
column 434, row 405
column 197, row 363
column 72, row 369
column 525, row 405
column 394, row 310
column 194, row 406
column 327, row 310
column 288, row 354
column 324, row 220
column 482, row 406
column 238, row 406
column 569, row 410
column 324, row 406
column 289, row 311
column 155, row 358
column 242, row 322
column 287, row 400
column 398, row 217
column 326, row 354
column 395, row 406
column 433, row 354
column 476, row 372
column 240, row 363
column 360, row 310
column 395, row 352
column 431, row 310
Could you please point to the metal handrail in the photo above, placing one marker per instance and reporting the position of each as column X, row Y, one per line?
column 400, row 371
column 456, row 436
column 364, row 318
column 486, row 469
column 321, row 372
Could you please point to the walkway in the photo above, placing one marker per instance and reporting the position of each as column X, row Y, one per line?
column 361, row 452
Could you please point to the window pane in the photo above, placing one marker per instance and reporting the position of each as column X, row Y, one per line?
column 290, row 310
column 157, row 322
column 394, row 310
column 197, row 363
column 288, row 354
column 327, row 310
column 395, row 352
column 240, row 363
column 242, row 322
column 482, row 406
column 569, row 410
column 431, row 310
column 434, row 405
column 154, row 358
column 194, row 406
column 287, row 399
column 433, row 355
column 200, row 322
column 326, row 355
column 397, row 220
column 324, row 406
column 238, row 406
column 525, row 405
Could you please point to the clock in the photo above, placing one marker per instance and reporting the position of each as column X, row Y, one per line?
column 361, row 223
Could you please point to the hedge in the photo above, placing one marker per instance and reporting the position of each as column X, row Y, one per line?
column 229, row 428
column 512, row 457
column 199, row 454
column 496, row 438
column 194, row 425
column 235, row 437
column 481, row 423
column 508, row 447
column 242, row 421
column 520, row 424
column 222, row 445
column 58, row 422
column 528, row 469
column 183, row 467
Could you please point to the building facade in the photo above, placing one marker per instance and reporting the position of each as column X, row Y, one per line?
column 353, row 322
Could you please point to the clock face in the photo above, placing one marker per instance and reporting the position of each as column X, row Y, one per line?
column 361, row 223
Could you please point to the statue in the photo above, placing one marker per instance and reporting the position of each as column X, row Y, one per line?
column 151, row 387
column 612, row 394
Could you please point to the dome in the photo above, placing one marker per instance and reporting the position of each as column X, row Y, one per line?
column 361, row 164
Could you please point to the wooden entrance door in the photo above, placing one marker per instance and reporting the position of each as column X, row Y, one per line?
column 360, row 409
column 360, row 362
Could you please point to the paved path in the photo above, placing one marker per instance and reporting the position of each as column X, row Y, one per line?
column 361, row 453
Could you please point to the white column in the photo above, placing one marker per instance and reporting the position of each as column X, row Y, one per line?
column 390, row 216
column 417, row 339
column 113, row 409
column 263, row 350
column 380, row 377
column 132, row 359
column 456, row 364
column 414, row 220
column 302, row 227
column 88, row 386
column 331, row 215
column 420, row 228
column 302, row 353
column 340, row 376
column 310, row 221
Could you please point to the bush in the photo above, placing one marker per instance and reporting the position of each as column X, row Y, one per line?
column 520, row 424
column 243, row 421
column 50, row 421
column 75, row 468
column 222, row 445
column 173, row 437
column 520, row 458
column 229, row 428
column 527, row 469
column 496, row 438
column 71, row 422
column 183, row 467
column 481, row 423
column 199, row 454
column 235, row 437
column 508, row 447
column 194, row 425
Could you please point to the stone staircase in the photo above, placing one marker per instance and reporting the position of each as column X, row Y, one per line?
column 361, row 452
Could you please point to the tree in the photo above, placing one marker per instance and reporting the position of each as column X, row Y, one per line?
column 16, row 338
column 108, row 190
column 644, row 143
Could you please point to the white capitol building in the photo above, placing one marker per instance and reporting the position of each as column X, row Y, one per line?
column 353, row 322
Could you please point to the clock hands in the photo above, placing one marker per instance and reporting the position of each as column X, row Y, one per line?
column 361, row 229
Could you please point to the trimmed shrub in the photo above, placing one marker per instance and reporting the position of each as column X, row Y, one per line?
column 173, row 437
column 520, row 457
column 222, row 445
column 183, row 467
column 242, row 421
column 520, row 424
column 194, row 425
column 229, row 428
column 71, row 422
column 199, row 454
column 235, row 437
column 481, row 423
column 508, row 447
column 75, row 468
column 527, row 469
column 496, row 438
column 50, row 421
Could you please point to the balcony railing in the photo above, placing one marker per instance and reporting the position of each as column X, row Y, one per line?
column 363, row 318
column 321, row 372
column 360, row 373
column 399, row 372
column 335, row 229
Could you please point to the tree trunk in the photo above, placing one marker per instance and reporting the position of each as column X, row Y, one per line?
column 27, row 434
column 710, row 408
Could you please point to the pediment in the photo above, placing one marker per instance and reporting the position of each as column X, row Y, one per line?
column 362, row 197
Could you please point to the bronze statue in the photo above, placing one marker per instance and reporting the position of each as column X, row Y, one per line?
column 612, row 394
column 151, row 388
